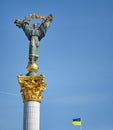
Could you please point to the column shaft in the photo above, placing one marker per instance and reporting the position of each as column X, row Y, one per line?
column 31, row 115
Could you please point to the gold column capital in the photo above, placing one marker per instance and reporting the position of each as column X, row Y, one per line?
column 32, row 87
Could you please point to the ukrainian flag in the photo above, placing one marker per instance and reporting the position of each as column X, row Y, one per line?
column 76, row 122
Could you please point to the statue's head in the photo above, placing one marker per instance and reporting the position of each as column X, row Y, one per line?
column 35, row 25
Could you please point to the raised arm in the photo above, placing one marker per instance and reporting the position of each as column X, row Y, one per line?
column 44, row 26
column 25, row 26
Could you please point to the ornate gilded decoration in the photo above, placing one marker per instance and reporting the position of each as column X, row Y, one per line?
column 34, row 16
column 32, row 87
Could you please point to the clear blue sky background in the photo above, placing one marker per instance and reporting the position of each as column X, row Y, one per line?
column 76, row 56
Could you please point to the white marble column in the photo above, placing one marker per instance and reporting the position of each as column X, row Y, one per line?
column 31, row 116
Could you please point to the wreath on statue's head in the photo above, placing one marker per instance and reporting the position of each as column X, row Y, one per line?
column 33, row 16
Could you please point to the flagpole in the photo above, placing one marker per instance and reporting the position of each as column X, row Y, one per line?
column 81, row 124
column 81, row 127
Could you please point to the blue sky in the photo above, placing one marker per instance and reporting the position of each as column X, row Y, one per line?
column 76, row 56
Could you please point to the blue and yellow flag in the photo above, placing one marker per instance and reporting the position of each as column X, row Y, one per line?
column 76, row 122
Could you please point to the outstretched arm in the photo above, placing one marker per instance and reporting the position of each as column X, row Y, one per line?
column 25, row 26
column 44, row 26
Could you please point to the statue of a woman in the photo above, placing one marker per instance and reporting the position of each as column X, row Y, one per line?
column 34, row 34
